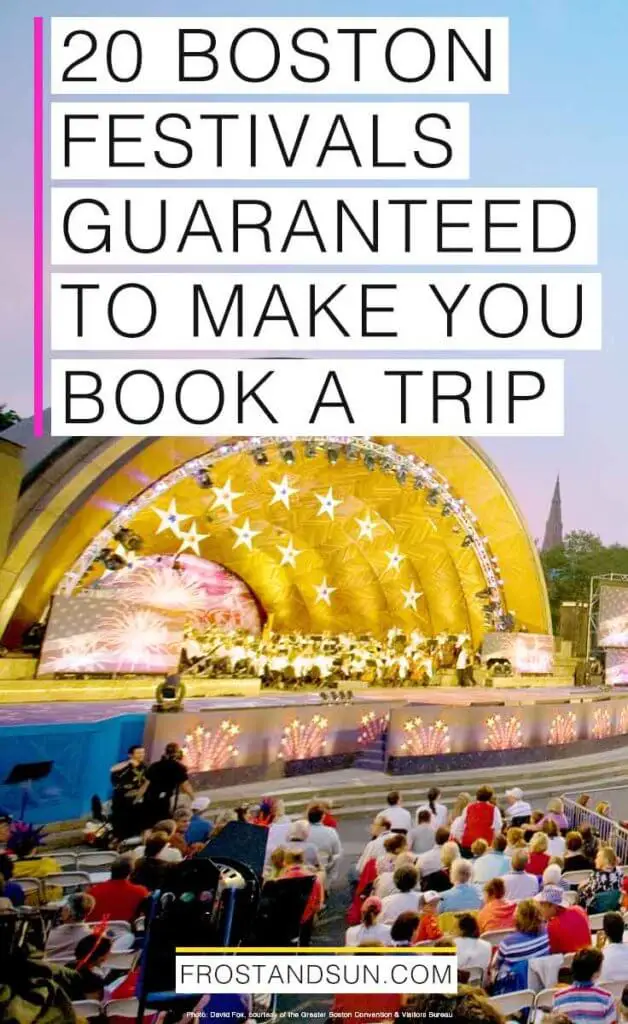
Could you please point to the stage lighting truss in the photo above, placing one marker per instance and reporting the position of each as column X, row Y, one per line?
column 375, row 456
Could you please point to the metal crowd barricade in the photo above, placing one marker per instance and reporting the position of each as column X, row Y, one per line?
column 610, row 832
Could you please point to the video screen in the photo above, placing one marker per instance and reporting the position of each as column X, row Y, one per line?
column 528, row 653
column 613, row 616
column 93, row 632
column 617, row 668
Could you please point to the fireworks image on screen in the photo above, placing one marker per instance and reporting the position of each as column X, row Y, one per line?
column 301, row 740
column 137, row 637
column 207, row 750
column 372, row 728
column 602, row 724
column 423, row 740
column 503, row 733
column 563, row 729
column 79, row 653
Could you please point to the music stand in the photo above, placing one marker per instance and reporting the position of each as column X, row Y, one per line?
column 24, row 775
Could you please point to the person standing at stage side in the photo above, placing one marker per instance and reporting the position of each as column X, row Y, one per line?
column 128, row 779
column 165, row 780
column 464, row 666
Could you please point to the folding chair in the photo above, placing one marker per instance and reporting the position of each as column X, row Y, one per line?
column 496, row 937
column 544, row 1001
column 90, row 1009
column 576, row 877
column 596, row 922
column 32, row 889
column 513, row 1002
column 97, row 860
column 476, row 976
column 571, row 897
column 68, row 881
column 125, row 1011
column 122, row 961
column 616, row 988
column 65, row 860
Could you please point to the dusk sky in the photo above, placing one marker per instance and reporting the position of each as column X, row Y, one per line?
column 563, row 124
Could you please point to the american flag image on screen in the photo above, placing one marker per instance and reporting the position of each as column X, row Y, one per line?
column 94, row 632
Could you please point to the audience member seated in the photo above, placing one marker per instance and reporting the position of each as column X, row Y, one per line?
column 575, row 857
column 555, row 812
column 603, row 890
column 399, row 817
column 72, row 927
column 456, row 829
column 439, row 815
column 405, row 897
column 520, row 884
column 498, row 912
column 464, row 895
column 584, row 1001
column 298, row 839
column 429, row 904
column 169, row 853
column 553, row 875
column 394, row 845
column 615, row 950
column 295, row 867
column 515, row 840
column 528, row 941
column 423, row 835
column 370, row 928
column 538, row 856
column 590, row 842
column 472, row 950
column 324, row 838
column 469, row 1006
column 151, row 870
column 431, row 863
column 450, row 852
column 119, row 899
column 518, row 810
column 11, row 891
column 482, row 819
column 199, row 827
column 493, row 862
column 568, row 927
column 384, row 884
column 555, row 842
column 89, row 956
column 404, row 928
column 182, row 818
column 374, row 849
column 328, row 816
column 273, row 815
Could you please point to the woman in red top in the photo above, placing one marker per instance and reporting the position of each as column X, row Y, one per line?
column 481, row 819
column 539, row 857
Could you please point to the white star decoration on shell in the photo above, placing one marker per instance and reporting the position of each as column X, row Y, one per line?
column 395, row 558
column 367, row 527
column 225, row 497
column 191, row 540
column 328, row 503
column 289, row 554
column 245, row 535
column 324, row 591
column 283, row 492
column 410, row 597
column 170, row 519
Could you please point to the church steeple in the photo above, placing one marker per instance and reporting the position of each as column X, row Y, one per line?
column 554, row 527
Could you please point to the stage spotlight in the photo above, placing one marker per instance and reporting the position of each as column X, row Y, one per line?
column 369, row 462
column 260, row 457
column 129, row 539
column 418, row 483
column 288, row 455
column 323, row 696
column 432, row 497
column 352, row 453
column 349, row 695
column 203, row 479
column 402, row 476
column 447, row 511
column 111, row 561
column 310, row 450
column 333, row 454
column 467, row 541
column 483, row 593
column 388, row 466
column 169, row 695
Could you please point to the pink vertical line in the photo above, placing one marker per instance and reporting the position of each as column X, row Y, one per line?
column 38, row 225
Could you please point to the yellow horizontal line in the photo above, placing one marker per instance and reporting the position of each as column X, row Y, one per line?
column 315, row 949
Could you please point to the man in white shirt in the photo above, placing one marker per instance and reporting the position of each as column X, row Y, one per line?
column 462, row 666
column 615, row 950
column 399, row 818
column 520, row 885
column 374, row 849
column 518, row 810
column 325, row 839
column 431, row 862
column 405, row 897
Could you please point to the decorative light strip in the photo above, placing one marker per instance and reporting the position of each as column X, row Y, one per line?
column 386, row 458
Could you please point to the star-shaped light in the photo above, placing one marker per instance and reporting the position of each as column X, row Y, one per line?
column 328, row 503
column 225, row 497
column 283, row 492
column 367, row 527
column 170, row 519
column 395, row 558
column 324, row 591
column 289, row 554
column 245, row 535
column 410, row 597
column 191, row 539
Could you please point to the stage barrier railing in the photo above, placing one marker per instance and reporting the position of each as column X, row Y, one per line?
column 610, row 832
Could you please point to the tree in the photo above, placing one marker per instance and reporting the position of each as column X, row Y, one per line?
column 568, row 568
column 7, row 418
